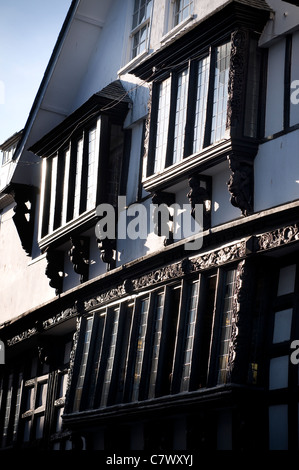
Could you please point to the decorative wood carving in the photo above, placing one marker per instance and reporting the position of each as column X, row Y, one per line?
column 23, row 218
column 238, row 251
column 22, row 336
column 60, row 317
column 160, row 199
column 79, row 255
column 219, row 257
column 279, row 237
column 237, row 367
column 72, row 361
column 200, row 193
column 240, row 184
column 237, row 81
column 114, row 293
column 107, row 249
column 55, row 268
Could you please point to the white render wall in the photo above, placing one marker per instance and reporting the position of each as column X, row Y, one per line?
column 23, row 284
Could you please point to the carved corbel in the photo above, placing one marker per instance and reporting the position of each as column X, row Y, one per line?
column 163, row 225
column 23, row 218
column 79, row 256
column 107, row 249
column 55, row 269
column 200, row 194
column 240, row 184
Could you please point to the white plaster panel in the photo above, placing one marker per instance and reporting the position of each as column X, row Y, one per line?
column 276, row 172
column 275, row 89
column 222, row 209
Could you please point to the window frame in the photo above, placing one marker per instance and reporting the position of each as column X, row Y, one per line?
column 165, row 376
column 283, row 394
column 58, row 209
column 136, row 30
column 178, row 8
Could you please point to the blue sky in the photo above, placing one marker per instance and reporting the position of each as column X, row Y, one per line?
column 28, row 33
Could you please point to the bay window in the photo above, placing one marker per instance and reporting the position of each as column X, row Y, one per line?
column 173, row 339
column 70, row 179
column 189, row 109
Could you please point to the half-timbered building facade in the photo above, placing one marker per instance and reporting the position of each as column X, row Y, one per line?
column 147, row 339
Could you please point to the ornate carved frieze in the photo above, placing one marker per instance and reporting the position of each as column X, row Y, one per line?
column 111, row 294
column 79, row 256
column 164, row 274
column 60, row 317
column 218, row 257
column 279, row 237
column 42, row 326
column 22, row 336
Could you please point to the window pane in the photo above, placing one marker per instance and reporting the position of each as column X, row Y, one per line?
column 110, row 360
column 81, row 375
column 141, row 14
column 91, row 173
column 162, row 125
column 159, row 304
column 278, row 374
column 286, row 283
column 180, row 117
column 182, row 9
column 282, row 325
column 140, row 41
column 41, row 394
column 65, row 186
column 7, row 409
column 192, row 308
column 201, row 103
column 53, row 193
column 18, row 403
column 226, row 326
column 29, row 398
column 78, row 177
column 278, row 427
column 27, row 429
column 39, row 426
column 143, row 312
column 220, row 92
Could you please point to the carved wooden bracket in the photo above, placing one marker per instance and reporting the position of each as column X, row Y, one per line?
column 240, row 184
column 23, row 218
column 163, row 200
column 107, row 248
column 200, row 193
column 55, row 268
column 79, row 256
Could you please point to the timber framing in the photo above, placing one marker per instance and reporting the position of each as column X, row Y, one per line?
column 253, row 236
